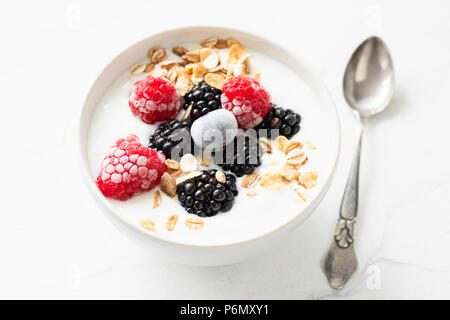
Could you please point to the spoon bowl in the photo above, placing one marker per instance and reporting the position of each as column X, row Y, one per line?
column 369, row 78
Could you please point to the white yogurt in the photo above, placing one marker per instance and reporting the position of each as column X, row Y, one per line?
column 250, row 217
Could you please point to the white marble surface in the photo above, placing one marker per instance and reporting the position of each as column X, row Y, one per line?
column 55, row 243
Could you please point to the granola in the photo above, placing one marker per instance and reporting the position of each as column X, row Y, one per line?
column 308, row 179
column 250, row 180
column 157, row 200
column 168, row 185
column 171, row 222
column 148, row 225
column 194, row 223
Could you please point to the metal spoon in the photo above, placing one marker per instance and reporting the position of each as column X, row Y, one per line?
column 368, row 89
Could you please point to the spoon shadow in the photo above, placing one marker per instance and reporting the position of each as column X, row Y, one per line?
column 396, row 107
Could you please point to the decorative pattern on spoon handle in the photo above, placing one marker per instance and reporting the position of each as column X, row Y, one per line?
column 344, row 232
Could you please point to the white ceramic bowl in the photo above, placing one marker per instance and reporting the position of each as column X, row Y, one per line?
column 238, row 246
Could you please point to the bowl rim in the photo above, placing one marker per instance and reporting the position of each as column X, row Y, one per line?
column 306, row 211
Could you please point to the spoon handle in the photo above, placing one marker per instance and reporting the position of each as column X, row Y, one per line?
column 339, row 263
column 349, row 203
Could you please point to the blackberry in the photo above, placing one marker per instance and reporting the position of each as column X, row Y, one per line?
column 285, row 120
column 242, row 156
column 204, row 99
column 205, row 196
column 170, row 134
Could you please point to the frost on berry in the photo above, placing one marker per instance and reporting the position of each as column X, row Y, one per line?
column 248, row 101
column 130, row 168
column 155, row 99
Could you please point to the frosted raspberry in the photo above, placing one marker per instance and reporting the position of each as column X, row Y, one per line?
column 154, row 99
column 247, row 99
column 130, row 168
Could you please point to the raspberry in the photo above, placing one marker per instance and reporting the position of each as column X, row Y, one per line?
column 155, row 99
column 130, row 168
column 247, row 99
